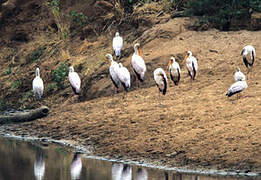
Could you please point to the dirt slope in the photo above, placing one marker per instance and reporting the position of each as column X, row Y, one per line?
column 196, row 125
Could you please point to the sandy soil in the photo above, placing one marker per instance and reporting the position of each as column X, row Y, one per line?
column 195, row 126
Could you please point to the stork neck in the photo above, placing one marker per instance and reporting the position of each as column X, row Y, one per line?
column 37, row 72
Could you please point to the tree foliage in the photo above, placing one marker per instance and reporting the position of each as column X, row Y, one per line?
column 222, row 13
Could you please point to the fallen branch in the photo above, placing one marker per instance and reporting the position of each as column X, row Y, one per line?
column 24, row 116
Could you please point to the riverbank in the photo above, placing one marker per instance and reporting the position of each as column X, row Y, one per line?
column 195, row 127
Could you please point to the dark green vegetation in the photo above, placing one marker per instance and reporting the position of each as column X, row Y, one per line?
column 60, row 74
column 221, row 14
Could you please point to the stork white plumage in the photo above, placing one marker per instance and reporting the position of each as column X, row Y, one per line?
column 191, row 64
column 117, row 44
column 39, row 166
column 236, row 88
column 124, row 77
column 138, row 63
column 74, row 80
column 38, row 86
column 239, row 76
column 114, row 68
column 126, row 172
column 76, row 166
column 116, row 171
column 174, row 71
column 161, row 80
column 248, row 50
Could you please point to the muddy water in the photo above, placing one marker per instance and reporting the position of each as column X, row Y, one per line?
column 21, row 160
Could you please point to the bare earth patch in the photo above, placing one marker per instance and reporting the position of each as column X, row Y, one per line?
column 196, row 125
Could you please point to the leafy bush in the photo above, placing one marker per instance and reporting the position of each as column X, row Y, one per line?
column 36, row 54
column 63, row 28
column 16, row 84
column 222, row 13
column 60, row 74
column 8, row 71
column 78, row 18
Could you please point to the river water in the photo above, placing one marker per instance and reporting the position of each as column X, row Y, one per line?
column 31, row 160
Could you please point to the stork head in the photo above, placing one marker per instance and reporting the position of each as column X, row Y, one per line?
column 137, row 48
column 71, row 69
column 238, row 69
column 117, row 34
column 172, row 59
column 188, row 54
column 109, row 58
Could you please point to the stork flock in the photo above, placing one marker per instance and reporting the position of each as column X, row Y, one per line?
column 120, row 75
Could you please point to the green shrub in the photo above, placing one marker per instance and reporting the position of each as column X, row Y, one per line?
column 36, row 54
column 8, row 71
column 222, row 13
column 16, row 84
column 51, row 87
column 60, row 74
column 78, row 18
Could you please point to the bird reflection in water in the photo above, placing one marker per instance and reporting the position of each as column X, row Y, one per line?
column 39, row 165
column 121, row 172
column 76, row 166
column 141, row 174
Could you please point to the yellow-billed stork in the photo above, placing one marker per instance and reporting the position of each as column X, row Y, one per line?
column 161, row 80
column 74, row 80
column 114, row 67
column 138, row 63
column 191, row 64
column 124, row 77
column 174, row 71
column 117, row 44
column 239, row 76
column 252, row 52
column 236, row 88
column 38, row 86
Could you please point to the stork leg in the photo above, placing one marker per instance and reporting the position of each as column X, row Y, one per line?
column 159, row 99
column 124, row 95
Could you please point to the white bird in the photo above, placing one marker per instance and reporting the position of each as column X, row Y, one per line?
column 76, row 166
column 142, row 174
column 235, row 88
column 174, row 70
column 117, row 44
column 116, row 171
column 74, row 80
column 192, row 65
column 248, row 50
column 239, row 76
column 126, row 172
column 160, row 78
column 38, row 86
column 138, row 63
column 114, row 67
column 124, row 77
column 39, row 166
